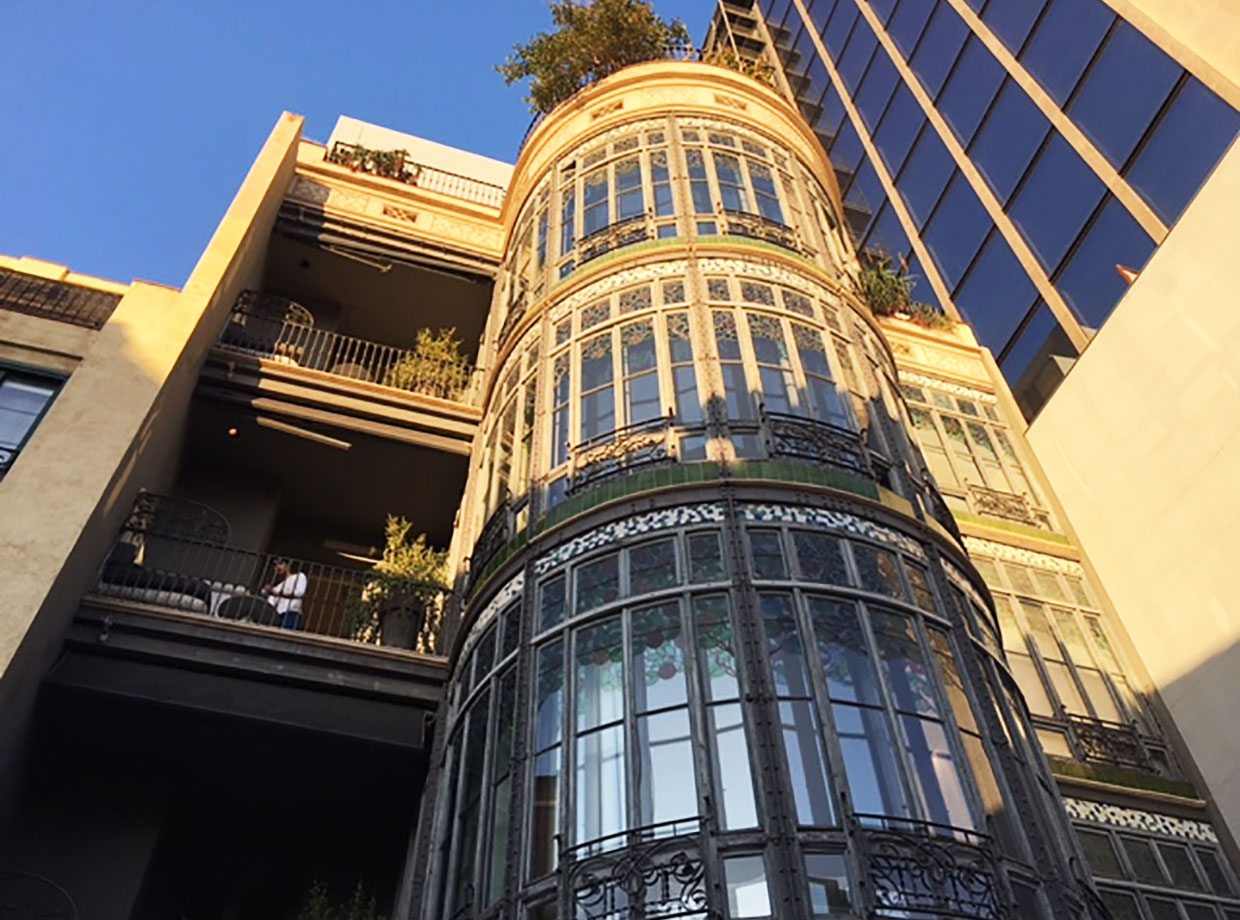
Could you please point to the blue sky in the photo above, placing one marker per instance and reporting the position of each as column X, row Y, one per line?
column 130, row 124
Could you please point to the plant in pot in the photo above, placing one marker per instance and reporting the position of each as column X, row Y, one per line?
column 434, row 366
column 402, row 587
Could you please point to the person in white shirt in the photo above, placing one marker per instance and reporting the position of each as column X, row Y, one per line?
column 285, row 594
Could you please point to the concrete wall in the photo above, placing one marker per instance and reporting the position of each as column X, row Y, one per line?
column 1142, row 445
column 114, row 428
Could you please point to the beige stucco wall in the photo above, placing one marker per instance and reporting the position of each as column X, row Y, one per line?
column 1142, row 445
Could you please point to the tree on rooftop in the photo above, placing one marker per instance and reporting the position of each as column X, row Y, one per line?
column 592, row 39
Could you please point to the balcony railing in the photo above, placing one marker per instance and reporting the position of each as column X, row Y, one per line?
column 1113, row 743
column 65, row 303
column 918, row 869
column 280, row 330
column 614, row 236
column 166, row 556
column 809, row 439
column 1008, row 506
column 400, row 166
column 620, row 452
column 757, row 227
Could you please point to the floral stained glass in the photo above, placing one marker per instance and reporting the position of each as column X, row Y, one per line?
column 652, row 567
column 878, row 570
column 635, row 299
column 659, row 657
column 673, row 292
column 797, row 303
column 821, row 558
column 716, row 642
column 841, row 647
column 904, row 663
column 563, row 331
column 595, row 314
column 717, row 289
column 752, row 292
column 598, row 582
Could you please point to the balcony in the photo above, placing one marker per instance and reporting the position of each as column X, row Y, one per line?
column 55, row 300
column 176, row 555
column 280, row 330
column 399, row 166
column 1008, row 507
column 1115, row 744
column 621, row 452
column 757, row 227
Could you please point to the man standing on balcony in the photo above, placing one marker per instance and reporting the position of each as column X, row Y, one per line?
column 287, row 594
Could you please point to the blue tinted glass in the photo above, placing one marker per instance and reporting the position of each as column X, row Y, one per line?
column 921, row 285
column 968, row 93
column 832, row 113
column 865, row 193
column 1063, row 43
column 876, row 89
column 1192, row 136
column 839, row 27
column 925, row 175
column 1055, row 200
column 908, row 22
column 887, row 236
column 899, row 128
column 939, row 47
column 1037, row 361
column 1089, row 281
column 1013, row 131
column 882, row 8
column 997, row 294
column 1123, row 90
column 816, row 79
column 1011, row 20
column 856, row 57
column 846, row 153
column 959, row 225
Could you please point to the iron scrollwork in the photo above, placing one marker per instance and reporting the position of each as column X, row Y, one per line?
column 808, row 439
column 495, row 535
column 757, row 227
column 621, row 451
column 918, row 873
column 664, row 879
column 1109, row 742
column 1008, row 506
column 613, row 236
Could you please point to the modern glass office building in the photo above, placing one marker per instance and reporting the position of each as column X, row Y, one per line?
column 1010, row 153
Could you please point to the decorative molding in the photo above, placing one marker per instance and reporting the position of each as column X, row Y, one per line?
column 1136, row 819
column 303, row 189
column 920, row 380
column 731, row 102
column 391, row 210
column 609, row 108
column 831, row 520
column 620, row 279
column 636, row 525
column 1006, row 553
column 510, row 592
column 958, row 578
column 647, row 124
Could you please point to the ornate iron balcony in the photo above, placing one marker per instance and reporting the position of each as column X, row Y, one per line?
column 496, row 533
column 1114, row 743
column 1008, row 506
column 661, row 876
column 619, row 452
column 614, row 236
column 810, row 439
column 755, row 226
column 917, row 869
column 58, row 300
column 278, row 329
column 400, row 166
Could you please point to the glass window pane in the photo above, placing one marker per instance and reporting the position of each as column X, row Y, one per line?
column 934, row 773
column 852, row 64
column 959, row 225
column 904, row 663
column 1037, row 360
column 869, row 761
column 939, row 48
column 551, row 603
column 899, row 128
column 594, row 215
column 652, row 566
column 598, row 582
column 716, row 641
column 876, row 89
column 705, row 558
column 1089, row 282
column 925, row 175
column 1193, row 134
column 785, row 652
column 1011, row 20
column 972, row 86
column 733, row 779
column 878, row 570
column 658, row 658
column 1126, row 85
column 1162, row 909
column 549, row 696
column 1013, row 131
column 843, row 651
column 1199, row 911
column 807, row 766
column 1100, row 853
column 1030, row 683
column 1121, row 905
column 748, row 895
column 768, row 554
column 997, row 294
column 908, row 22
column 1216, row 875
column 1055, row 200
column 1175, row 858
column 821, row 558
column 600, row 674
column 1065, row 40
column 667, row 778
column 827, row 875
column 601, row 799
column 1144, row 866
column 544, row 845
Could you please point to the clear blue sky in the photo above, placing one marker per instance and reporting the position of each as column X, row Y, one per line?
column 129, row 124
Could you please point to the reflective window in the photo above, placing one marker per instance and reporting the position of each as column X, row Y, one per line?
column 956, row 230
column 852, row 64
column 1064, row 42
column 925, row 175
column 1055, row 200
column 1011, row 20
column 997, row 294
column 908, row 23
column 1013, row 131
column 839, row 27
column 876, row 88
column 1089, row 281
column 899, row 128
column 972, row 86
column 827, row 876
column 1037, row 360
column 1125, row 87
column 748, row 893
column 939, row 47
column 1184, row 147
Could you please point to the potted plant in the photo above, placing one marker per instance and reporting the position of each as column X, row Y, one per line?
column 404, row 583
column 319, row 905
column 889, row 293
column 592, row 40
column 434, row 366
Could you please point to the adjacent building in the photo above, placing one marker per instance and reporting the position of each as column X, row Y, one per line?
column 760, row 606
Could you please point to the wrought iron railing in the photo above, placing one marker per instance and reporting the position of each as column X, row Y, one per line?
column 1008, row 506
column 757, row 227
column 937, row 508
column 1115, row 743
column 58, row 300
column 621, row 452
column 167, row 559
column 495, row 534
column 400, row 166
column 922, row 870
column 612, row 237
column 809, row 439
column 286, row 337
column 650, row 872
